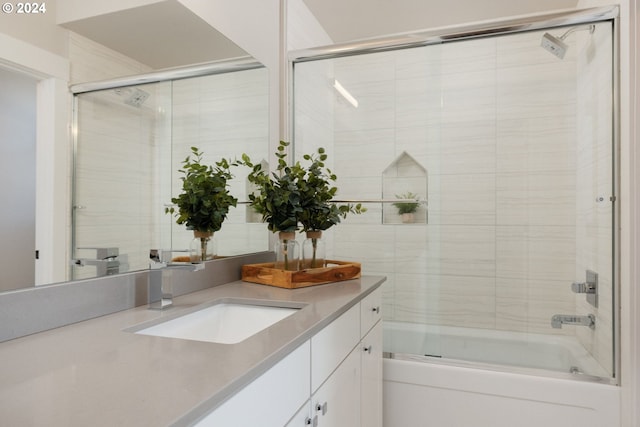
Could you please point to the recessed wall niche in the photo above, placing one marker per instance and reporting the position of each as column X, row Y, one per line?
column 405, row 179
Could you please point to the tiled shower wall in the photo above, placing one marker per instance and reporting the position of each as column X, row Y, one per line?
column 493, row 121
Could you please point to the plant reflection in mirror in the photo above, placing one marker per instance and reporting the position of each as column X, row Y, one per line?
column 204, row 203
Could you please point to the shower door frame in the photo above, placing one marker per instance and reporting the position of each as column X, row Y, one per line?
column 546, row 21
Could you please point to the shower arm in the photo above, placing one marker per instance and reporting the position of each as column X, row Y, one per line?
column 590, row 27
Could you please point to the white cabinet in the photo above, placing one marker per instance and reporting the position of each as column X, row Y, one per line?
column 336, row 403
column 346, row 370
column 271, row 398
column 332, row 380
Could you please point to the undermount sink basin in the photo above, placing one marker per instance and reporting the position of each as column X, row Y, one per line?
column 226, row 322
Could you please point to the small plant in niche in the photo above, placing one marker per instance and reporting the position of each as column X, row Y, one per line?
column 204, row 203
column 406, row 207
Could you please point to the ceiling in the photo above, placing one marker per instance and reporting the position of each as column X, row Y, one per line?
column 161, row 35
column 346, row 20
column 167, row 34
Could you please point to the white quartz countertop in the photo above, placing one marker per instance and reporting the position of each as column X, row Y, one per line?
column 99, row 373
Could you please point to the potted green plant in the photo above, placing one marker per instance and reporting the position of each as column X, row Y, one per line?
column 278, row 202
column 407, row 209
column 319, row 213
column 205, row 200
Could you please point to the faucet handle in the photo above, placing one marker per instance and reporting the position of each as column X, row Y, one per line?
column 583, row 288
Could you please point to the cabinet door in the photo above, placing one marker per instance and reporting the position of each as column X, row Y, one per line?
column 371, row 377
column 337, row 402
column 271, row 399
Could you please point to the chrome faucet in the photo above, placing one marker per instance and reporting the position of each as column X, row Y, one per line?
column 160, row 292
column 557, row 320
column 107, row 261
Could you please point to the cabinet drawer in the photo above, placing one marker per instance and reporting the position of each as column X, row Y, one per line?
column 331, row 345
column 371, row 311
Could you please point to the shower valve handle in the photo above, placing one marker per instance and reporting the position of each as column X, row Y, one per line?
column 583, row 288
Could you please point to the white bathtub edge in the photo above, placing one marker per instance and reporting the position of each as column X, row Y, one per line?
column 599, row 403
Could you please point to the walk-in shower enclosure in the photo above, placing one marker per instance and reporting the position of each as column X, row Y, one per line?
column 518, row 151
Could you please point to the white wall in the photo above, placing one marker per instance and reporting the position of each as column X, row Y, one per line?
column 39, row 30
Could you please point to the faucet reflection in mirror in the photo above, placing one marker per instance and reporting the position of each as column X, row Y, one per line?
column 107, row 261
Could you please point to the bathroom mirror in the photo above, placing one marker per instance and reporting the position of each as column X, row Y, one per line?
column 160, row 35
column 130, row 144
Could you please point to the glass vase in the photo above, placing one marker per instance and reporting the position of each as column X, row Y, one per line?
column 313, row 250
column 202, row 247
column 287, row 252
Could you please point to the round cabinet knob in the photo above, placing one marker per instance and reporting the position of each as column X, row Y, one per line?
column 376, row 310
column 368, row 349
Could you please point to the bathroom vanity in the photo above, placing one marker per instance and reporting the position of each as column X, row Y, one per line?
column 321, row 363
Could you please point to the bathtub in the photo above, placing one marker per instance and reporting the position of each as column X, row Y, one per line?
column 461, row 377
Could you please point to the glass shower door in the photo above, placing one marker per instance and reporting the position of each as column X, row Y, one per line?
column 516, row 145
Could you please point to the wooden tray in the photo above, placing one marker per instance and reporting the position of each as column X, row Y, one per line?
column 265, row 274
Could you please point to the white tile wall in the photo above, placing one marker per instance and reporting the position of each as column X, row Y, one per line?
column 516, row 144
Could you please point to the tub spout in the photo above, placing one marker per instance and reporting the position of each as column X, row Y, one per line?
column 569, row 319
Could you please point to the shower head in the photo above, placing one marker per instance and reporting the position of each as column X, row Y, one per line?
column 133, row 96
column 137, row 98
column 556, row 45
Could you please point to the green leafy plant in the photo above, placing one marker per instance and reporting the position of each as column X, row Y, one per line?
column 407, row 207
column 278, row 195
column 295, row 194
column 319, row 213
column 205, row 200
